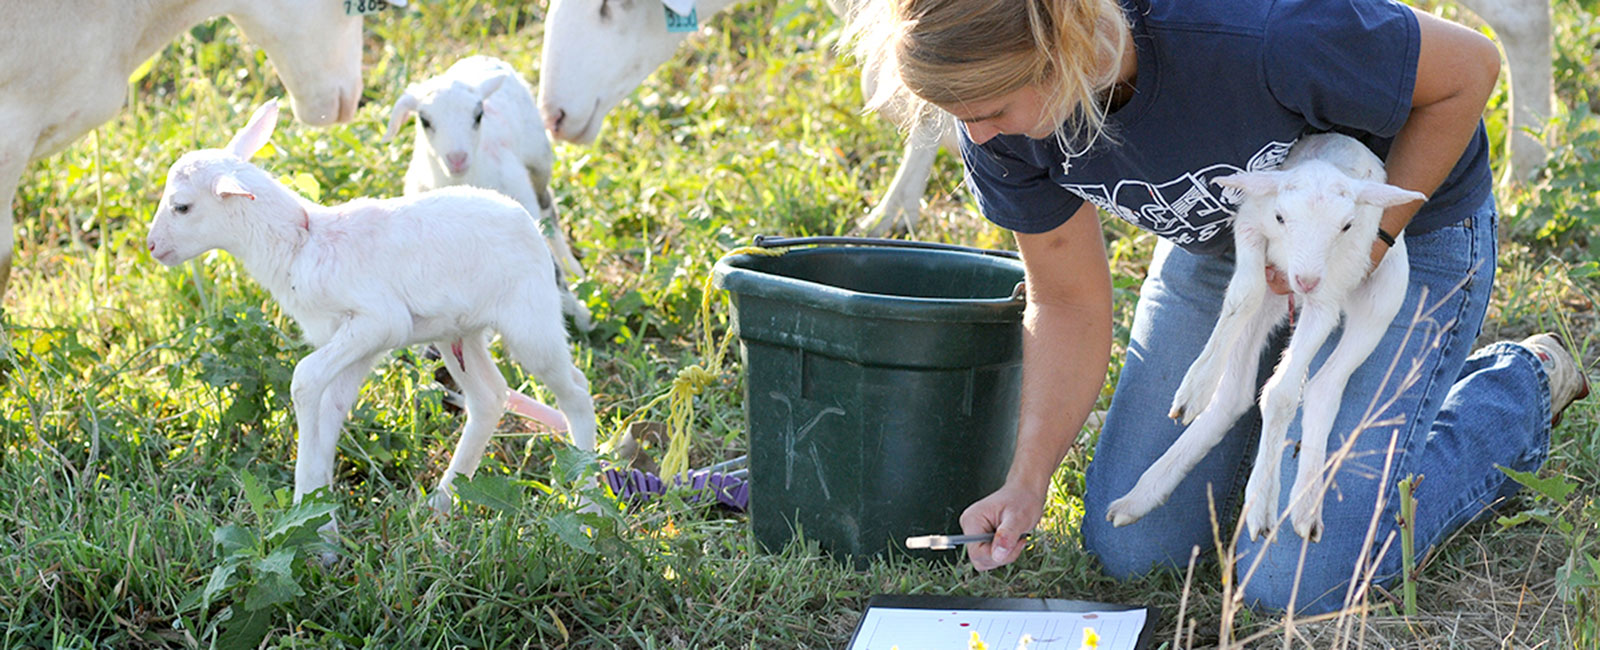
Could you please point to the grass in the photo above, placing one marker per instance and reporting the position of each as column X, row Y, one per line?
column 146, row 435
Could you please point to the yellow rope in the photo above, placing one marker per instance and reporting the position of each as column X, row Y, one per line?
column 691, row 381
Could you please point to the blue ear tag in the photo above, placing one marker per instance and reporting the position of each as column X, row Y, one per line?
column 678, row 23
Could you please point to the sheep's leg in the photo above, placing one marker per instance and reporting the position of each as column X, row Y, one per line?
column 1280, row 398
column 1323, row 395
column 12, row 162
column 556, row 241
column 334, row 366
column 333, row 409
column 1242, row 303
column 558, row 236
column 1212, row 423
column 902, row 201
column 485, row 391
column 549, row 361
column 1368, row 313
column 551, row 218
column 1524, row 30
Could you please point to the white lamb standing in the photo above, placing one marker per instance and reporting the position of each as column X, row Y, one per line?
column 478, row 125
column 371, row 275
column 1315, row 218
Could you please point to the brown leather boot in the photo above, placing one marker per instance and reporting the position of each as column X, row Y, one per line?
column 1568, row 383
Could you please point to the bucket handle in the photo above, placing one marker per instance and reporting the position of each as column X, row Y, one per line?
column 1018, row 292
column 777, row 241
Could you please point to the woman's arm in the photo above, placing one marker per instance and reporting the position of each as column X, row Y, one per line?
column 1065, row 351
column 1456, row 72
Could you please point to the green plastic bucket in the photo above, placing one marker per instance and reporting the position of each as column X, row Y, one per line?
column 881, row 388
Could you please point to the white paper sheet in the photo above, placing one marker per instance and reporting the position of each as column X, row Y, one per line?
column 884, row 628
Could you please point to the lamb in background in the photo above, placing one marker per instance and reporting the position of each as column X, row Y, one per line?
column 371, row 275
column 477, row 125
column 67, row 68
column 1316, row 218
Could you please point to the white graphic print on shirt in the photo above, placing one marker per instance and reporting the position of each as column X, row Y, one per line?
column 1183, row 209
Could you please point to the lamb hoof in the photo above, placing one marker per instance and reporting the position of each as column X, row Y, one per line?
column 442, row 501
column 1258, row 519
column 1308, row 523
column 1125, row 511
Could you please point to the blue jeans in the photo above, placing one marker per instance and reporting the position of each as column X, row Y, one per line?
column 1454, row 419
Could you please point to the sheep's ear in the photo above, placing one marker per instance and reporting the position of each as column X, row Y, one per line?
column 403, row 108
column 228, row 185
column 256, row 132
column 1252, row 183
column 490, row 85
column 1384, row 195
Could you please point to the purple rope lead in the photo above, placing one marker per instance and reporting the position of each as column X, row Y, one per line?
column 636, row 487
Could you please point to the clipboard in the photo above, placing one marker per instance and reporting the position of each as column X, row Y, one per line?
column 928, row 622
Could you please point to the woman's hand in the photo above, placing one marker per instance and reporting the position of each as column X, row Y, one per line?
column 1009, row 513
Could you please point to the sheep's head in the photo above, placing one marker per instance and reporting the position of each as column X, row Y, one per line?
column 598, row 51
column 200, row 208
column 1313, row 218
column 449, row 119
column 316, row 49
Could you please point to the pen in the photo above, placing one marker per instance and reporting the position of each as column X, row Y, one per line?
column 947, row 542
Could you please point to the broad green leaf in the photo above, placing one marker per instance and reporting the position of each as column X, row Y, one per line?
column 567, row 528
column 233, row 539
column 1554, row 488
column 253, row 492
column 308, row 513
column 572, row 463
column 280, row 562
column 143, row 69
column 245, row 629
column 192, row 600
column 492, row 491
column 271, row 589
column 218, row 583
column 303, row 183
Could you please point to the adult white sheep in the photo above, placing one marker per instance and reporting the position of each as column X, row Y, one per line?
column 477, row 125
column 598, row 51
column 367, row 276
column 1524, row 31
column 1315, row 218
column 67, row 65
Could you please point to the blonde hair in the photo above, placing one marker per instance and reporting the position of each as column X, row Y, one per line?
column 947, row 52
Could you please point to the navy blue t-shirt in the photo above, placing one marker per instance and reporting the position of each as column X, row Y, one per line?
column 1225, row 86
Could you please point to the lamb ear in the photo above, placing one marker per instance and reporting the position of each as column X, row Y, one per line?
column 256, row 132
column 228, row 185
column 490, row 85
column 403, row 108
column 1252, row 183
column 1384, row 195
